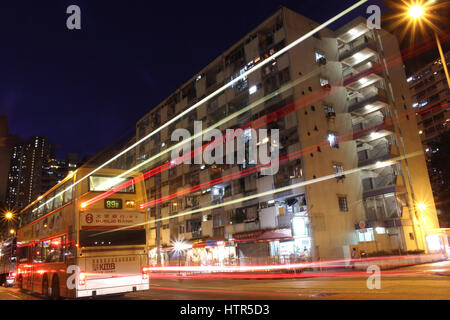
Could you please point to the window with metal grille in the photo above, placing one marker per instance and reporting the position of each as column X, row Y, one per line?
column 343, row 203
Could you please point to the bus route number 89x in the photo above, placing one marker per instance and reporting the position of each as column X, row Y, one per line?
column 113, row 203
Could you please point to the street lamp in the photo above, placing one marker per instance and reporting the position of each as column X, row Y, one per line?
column 179, row 246
column 412, row 15
column 12, row 231
column 421, row 206
column 415, row 11
column 418, row 12
column 9, row 215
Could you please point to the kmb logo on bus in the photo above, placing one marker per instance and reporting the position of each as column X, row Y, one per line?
column 108, row 267
column 89, row 218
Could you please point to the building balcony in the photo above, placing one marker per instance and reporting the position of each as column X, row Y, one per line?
column 284, row 221
column 216, row 200
column 370, row 73
column 379, row 158
column 196, row 234
column 382, row 181
column 349, row 33
column 251, row 226
column 192, row 235
column 383, row 190
column 352, row 55
column 360, row 107
column 240, row 227
column 373, row 131
column 282, row 183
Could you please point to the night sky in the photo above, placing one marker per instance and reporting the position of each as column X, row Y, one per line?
column 86, row 88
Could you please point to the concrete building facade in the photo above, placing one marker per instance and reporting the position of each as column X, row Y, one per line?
column 349, row 111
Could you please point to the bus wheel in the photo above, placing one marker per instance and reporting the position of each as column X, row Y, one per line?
column 45, row 287
column 55, row 288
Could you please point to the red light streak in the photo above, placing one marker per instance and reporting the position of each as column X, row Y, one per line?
column 304, row 265
column 289, row 157
column 255, row 124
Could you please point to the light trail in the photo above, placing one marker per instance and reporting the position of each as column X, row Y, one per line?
column 224, row 120
column 215, row 93
column 293, row 270
column 292, row 275
column 391, row 60
column 350, row 133
column 288, row 157
column 254, row 124
column 290, row 266
column 376, row 165
column 252, row 293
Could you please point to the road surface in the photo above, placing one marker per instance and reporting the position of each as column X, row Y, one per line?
column 423, row 282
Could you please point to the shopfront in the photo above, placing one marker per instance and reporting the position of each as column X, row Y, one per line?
column 213, row 252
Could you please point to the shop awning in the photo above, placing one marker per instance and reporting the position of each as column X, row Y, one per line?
column 251, row 235
column 277, row 234
column 209, row 242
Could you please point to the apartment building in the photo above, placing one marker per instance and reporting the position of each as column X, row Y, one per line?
column 34, row 170
column 430, row 96
column 346, row 122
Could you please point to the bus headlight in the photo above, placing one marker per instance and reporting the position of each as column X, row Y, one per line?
column 145, row 272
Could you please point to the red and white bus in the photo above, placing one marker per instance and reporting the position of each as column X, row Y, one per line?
column 66, row 249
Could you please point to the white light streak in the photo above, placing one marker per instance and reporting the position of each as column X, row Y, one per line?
column 218, row 91
column 270, row 192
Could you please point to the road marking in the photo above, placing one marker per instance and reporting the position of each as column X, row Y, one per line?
column 15, row 296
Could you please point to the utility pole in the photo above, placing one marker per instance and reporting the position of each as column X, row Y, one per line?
column 158, row 227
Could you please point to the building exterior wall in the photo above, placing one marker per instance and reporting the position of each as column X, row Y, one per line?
column 332, row 124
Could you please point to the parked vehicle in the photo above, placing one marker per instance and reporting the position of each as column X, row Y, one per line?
column 8, row 262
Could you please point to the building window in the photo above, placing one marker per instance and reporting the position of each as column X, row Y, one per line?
column 366, row 235
column 337, row 168
column 329, row 112
column 284, row 76
column 319, row 56
column 332, row 139
column 343, row 206
column 324, row 83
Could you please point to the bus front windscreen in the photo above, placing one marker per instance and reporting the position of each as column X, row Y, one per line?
column 103, row 183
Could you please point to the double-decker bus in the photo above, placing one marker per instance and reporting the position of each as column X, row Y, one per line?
column 68, row 249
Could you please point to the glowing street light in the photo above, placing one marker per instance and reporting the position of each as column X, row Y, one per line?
column 9, row 215
column 419, row 12
column 415, row 11
column 12, row 231
column 413, row 16
column 421, row 206
column 180, row 246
